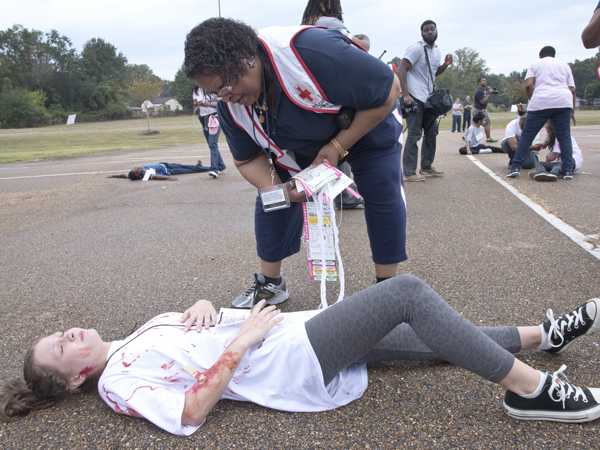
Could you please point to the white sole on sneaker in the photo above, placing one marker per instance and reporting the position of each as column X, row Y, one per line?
column 587, row 415
column 594, row 328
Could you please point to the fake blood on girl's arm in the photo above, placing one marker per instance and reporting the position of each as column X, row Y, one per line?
column 212, row 377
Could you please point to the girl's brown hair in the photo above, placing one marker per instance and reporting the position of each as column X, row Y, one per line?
column 40, row 387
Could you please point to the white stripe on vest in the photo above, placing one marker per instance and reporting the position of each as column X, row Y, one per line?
column 298, row 84
column 245, row 119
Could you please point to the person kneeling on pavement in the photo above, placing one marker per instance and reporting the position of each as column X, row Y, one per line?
column 513, row 134
column 475, row 136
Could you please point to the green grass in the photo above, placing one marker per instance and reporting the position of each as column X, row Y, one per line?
column 86, row 138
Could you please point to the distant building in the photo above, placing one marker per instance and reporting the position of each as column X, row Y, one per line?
column 154, row 105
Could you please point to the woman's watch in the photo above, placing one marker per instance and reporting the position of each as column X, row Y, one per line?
column 341, row 150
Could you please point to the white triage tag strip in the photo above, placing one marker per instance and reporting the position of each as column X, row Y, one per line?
column 313, row 180
column 274, row 197
column 149, row 172
column 313, row 243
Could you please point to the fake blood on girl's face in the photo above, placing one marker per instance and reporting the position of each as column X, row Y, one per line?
column 74, row 353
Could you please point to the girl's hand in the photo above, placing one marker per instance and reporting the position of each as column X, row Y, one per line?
column 256, row 327
column 201, row 313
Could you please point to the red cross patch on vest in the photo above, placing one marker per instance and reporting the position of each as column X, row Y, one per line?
column 304, row 94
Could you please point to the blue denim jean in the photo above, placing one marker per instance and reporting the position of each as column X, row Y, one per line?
column 216, row 162
column 560, row 118
column 456, row 122
column 179, row 169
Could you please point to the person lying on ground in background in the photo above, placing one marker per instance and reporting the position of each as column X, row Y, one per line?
column 161, row 171
column 475, row 136
column 307, row 361
column 551, row 169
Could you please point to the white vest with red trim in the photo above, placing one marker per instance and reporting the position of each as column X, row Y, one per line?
column 297, row 82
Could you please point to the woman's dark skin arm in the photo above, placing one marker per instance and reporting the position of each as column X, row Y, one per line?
column 591, row 33
column 364, row 121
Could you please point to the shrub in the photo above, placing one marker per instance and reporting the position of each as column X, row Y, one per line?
column 20, row 108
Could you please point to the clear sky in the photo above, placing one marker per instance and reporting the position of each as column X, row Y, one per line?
column 508, row 34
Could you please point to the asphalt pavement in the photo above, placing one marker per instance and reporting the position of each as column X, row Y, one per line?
column 79, row 249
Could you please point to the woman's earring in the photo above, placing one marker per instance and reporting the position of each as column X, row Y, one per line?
column 251, row 64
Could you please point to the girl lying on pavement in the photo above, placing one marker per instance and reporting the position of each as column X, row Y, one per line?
column 174, row 369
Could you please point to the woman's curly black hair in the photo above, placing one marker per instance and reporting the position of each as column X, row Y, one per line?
column 219, row 46
column 317, row 8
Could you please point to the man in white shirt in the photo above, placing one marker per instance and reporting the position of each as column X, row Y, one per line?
column 456, row 115
column 513, row 134
column 416, row 77
column 551, row 90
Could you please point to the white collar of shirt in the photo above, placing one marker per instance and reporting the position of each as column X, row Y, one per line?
column 425, row 44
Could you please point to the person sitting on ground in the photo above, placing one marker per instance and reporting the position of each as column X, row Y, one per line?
column 513, row 133
column 550, row 169
column 161, row 171
column 311, row 361
column 474, row 137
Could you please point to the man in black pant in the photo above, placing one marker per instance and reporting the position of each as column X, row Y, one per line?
column 467, row 106
column 482, row 95
column 417, row 74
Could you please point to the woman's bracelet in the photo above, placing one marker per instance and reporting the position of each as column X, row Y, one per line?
column 341, row 150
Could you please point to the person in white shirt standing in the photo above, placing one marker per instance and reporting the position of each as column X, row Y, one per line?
column 211, row 128
column 551, row 90
column 456, row 115
column 422, row 62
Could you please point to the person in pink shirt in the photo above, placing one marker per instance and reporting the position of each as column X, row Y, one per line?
column 551, row 90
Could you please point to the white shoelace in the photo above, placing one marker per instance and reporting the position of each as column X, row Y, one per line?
column 575, row 319
column 561, row 390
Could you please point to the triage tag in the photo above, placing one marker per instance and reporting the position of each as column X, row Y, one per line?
column 274, row 197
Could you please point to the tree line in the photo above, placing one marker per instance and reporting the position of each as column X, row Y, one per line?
column 43, row 79
column 461, row 79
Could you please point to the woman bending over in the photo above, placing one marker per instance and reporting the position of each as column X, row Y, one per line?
column 305, row 361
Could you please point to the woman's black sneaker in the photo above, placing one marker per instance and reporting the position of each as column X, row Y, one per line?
column 559, row 401
column 580, row 322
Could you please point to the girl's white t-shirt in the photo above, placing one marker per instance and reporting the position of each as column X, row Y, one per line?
column 577, row 153
column 144, row 376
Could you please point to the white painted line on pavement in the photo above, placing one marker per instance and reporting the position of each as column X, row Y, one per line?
column 120, row 161
column 64, row 174
column 579, row 238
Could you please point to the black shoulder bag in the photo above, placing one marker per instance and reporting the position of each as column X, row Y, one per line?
column 438, row 102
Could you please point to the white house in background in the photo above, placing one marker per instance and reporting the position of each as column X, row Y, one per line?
column 154, row 105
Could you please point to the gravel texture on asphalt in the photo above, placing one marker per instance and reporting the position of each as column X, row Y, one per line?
column 79, row 249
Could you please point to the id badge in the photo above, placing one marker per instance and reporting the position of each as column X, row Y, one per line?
column 274, row 197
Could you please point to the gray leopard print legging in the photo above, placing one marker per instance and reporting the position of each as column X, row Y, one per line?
column 404, row 319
